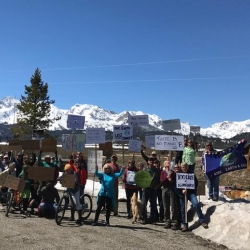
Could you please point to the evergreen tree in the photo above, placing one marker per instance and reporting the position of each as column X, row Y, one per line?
column 34, row 107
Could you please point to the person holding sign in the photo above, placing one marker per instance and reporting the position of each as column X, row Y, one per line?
column 25, row 194
column 189, row 156
column 189, row 194
column 116, row 169
column 214, row 182
column 49, row 164
column 69, row 169
column 150, row 193
column 130, row 185
column 106, row 195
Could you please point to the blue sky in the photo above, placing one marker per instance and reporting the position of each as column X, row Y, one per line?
column 176, row 59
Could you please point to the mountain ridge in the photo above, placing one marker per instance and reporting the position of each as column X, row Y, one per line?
column 95, row 116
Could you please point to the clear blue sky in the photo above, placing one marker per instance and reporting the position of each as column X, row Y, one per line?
column 177, row 59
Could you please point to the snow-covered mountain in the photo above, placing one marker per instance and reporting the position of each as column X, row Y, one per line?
column 98, row 117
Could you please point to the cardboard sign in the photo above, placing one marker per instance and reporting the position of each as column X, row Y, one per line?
column 68, row 180
column 201, row 190
column 30, row 144
column 49, row 145
column 3, row 177
column 107, row 148
column 15, row 183
column 7, row 148
column 41, row 173
column 18, row 145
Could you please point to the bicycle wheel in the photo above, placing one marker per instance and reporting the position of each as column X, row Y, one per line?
column 86, row 202
column 9, row 201
column 61, row 208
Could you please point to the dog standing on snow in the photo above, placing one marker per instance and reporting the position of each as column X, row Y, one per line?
column 136, row 208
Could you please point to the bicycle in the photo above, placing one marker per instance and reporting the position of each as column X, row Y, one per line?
column 12, row 200
column 67, row 201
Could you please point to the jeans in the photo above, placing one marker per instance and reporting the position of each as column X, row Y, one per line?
column 213, row 187
column 193, row 199
column 169, row 202
column 47, row 207
column 149, row 194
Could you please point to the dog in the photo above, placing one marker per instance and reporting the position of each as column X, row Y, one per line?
column 136, row 208
column 238, row 194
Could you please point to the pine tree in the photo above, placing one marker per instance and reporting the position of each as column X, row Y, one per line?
column 34, row 107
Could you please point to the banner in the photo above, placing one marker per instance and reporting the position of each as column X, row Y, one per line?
column 225, row 161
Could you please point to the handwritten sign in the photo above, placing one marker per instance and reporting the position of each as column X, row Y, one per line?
column 92, row 160
column 75, row 121
column 68, row 180
column 134, row 146
column 185, row 181
column 150, row 141
column 41, row 173
column 195, row 129
column 169, row 142
column 95, row 135
column 73, row 142
column 171, row 125
column 122, row 132
column 138, row 120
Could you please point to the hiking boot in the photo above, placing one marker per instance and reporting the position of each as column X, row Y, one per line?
column 94, row 223
column 184, row 229
column 143, row 222
column 174, row 227
column 215, row 199
column 204, row 224
column 167, row 225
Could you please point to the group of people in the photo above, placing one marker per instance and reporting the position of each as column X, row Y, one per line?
column 41, row 196
column 162, row 188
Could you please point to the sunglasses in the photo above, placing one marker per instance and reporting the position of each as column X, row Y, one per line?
column 208, row 145
column 107, row 168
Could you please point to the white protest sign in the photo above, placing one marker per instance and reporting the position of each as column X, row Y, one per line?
column 122, row 132
column 134, row 146
column 171, row 125
column 92, row 162
column 73, row 142
column 150, row 141
column 95, row 135
column 169, row 142
column 138, row 120
column 67, row 143
column 75, row 121
column 185, row 181
column 195, row 129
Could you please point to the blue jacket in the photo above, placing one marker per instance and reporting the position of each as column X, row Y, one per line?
column 107, row 187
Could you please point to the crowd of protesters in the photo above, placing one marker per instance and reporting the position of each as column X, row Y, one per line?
column 167, row 203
